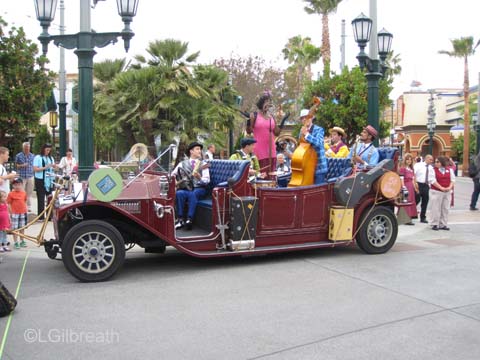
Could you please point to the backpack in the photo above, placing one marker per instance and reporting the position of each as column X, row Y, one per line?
column 472, row 169
column 7, row 301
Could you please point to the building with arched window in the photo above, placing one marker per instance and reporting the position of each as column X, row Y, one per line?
column 411, row 120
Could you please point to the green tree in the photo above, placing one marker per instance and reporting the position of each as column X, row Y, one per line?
column 105, row 132
column 345, row 102
column 166, row 95
column 42, row 136
column 463, row 48
column 160, row 86
column 457, row 147
column 323, row 8
column 24, row 85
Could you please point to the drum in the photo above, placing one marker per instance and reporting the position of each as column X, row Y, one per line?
column 263, row 184
column 389, row 185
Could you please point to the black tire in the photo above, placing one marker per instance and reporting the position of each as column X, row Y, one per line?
column 378, row 232
column 93, row 250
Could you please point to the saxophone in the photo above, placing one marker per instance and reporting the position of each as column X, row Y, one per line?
column 196, row 168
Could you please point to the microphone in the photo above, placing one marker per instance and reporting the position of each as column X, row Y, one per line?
column 282, row 123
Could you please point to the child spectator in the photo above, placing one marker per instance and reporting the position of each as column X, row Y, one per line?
column 17, row 202
column 4, row 222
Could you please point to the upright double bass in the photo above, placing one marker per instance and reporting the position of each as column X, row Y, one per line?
column 304, row 159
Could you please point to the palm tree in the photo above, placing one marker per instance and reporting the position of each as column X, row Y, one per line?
column 106, row 110
column 463, row 48
column 302, row 54
column 324, row 8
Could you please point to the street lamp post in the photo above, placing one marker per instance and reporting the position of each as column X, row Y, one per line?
column 62, row 87
column 362, row 28
column 85, row 42
column 53, row 122
column 392, row 130
column 431, row 122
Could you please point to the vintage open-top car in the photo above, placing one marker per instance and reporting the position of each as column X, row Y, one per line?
column 238, row 217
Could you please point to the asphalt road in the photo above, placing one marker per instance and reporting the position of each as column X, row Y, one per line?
column 419, row 301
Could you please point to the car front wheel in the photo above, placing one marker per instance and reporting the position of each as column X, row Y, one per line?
column 93, row 250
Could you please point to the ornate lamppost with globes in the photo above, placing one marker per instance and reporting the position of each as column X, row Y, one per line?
column 362, row 29
column 85, row 42
column 431, row 124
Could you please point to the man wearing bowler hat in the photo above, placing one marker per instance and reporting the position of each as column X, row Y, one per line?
column 246, row 153
column 336, row 148
column 364, row 153
column 193, row 173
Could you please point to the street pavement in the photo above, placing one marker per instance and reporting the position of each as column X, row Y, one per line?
column 421, row 300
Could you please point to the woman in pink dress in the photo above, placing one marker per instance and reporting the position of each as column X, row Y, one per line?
column 264, row 129
column 408, row 180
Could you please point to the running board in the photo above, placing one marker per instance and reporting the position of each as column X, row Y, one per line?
column 272, row 249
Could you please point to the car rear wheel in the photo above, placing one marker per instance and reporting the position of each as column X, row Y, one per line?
column 378, row 232
column 93, row 250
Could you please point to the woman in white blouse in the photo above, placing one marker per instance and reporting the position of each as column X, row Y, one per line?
column 67, row 163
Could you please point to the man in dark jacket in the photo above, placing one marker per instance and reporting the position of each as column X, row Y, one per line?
column 476, row 184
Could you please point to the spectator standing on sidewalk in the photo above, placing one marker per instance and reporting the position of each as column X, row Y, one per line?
column 4, row 222
column 68, row 163
column 4, row 176
column 422, row 170
column 476, row 184
column 408, row 180
column 17, row 203
column 43, row 166
column 451, row 165
column 24, row 163
column 441, row 183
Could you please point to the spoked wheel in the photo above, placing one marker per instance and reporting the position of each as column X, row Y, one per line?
column 93, row 250
column 378, row 232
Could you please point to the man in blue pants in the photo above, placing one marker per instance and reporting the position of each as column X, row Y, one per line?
column 193, row 178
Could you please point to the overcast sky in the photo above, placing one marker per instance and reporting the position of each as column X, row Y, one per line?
column 218, row 28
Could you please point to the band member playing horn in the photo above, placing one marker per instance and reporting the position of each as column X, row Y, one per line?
column 364, row 153
column 264, row 129
column 314, row 134
column 194, row 176
column 246, row 153
column 335, row 148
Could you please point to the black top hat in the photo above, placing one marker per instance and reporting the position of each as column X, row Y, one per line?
column 193, row 144
column 247, row 141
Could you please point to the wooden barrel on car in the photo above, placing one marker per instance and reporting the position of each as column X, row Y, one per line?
column 389, row 185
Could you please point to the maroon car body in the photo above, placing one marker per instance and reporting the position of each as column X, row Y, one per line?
column 93, row 236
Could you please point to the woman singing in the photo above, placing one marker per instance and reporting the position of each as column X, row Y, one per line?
column 264, row 129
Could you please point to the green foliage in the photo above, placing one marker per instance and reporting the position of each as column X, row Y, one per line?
column 458, row 143
column 164, row 95
column 24, row 85
column 41, row 137
column 345, row 102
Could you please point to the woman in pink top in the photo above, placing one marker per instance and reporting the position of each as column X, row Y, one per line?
column 264, row 129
